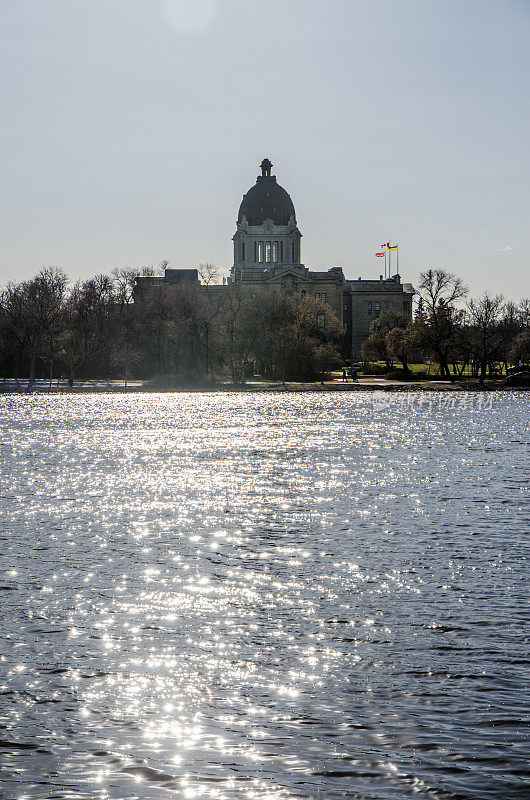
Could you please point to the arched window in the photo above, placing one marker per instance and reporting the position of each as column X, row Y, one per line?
column 293, row 252
column 261, row 252
column 275, row 252
column 268, row 255
column 242, row 251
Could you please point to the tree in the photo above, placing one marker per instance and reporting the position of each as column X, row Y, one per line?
column 208, row 274
column 90, row 324
column 124, row 279
column 33, row 312
column 484, row 331
column 523, row 312
column 387, row 321
column 404, row 344
column 520, row 349
column 440, row 319
column 124, row 354
column 376, row 347
column 240, row 330
column 183, row 331
column 292, row 329
column 327, row 356
column 152, row 316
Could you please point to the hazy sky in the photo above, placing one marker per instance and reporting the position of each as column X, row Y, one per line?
column 131, row 129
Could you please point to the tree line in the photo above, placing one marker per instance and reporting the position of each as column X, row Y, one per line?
column 195, row 334
column 483, row 336
column 185, row 332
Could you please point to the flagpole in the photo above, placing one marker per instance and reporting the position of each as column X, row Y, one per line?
column 397, row 256
column 385, row 262
column 389, row 261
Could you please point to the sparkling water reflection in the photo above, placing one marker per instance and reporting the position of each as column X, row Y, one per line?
column 263, row 596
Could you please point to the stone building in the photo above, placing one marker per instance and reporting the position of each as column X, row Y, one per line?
column 268, row 257
column 364, row 300
column 267, row 233
column 267, row 246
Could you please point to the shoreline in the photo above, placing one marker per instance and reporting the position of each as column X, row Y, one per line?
column 42, row 387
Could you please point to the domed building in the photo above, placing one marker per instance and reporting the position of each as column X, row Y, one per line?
column 267, row 233
column 267, row 257
column 267, row 246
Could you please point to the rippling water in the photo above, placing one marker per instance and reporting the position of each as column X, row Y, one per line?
column 263, row 596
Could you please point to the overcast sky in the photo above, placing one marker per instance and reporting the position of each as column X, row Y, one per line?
column 131, row 129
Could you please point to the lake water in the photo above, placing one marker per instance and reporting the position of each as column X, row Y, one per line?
column 236, row 596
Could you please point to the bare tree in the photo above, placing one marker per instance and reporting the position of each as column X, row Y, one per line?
column 524, row 312
column 440, row 318
column 208, row 274
column 124, row 355
column 90, row 327
column 124, row 280
column 438, row 287
column 484, row 330
column 239, row 331
column 33, row 312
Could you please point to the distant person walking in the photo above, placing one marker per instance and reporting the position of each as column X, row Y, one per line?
column 344, row 378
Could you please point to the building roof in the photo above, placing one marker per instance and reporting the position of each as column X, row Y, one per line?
column 266, row 200
column 177, row 275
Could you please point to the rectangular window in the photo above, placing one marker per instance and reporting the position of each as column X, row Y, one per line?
column 275, row 252
column 345, row 307
column 385, row 306
column 345, row 326
column 261, row 252
column 323, row 296
column 281, row 252
column 320, row 320
column 369, row 306
column 293, row 252
column 268, row 252
column 242, row 251
column 317, row 295
column 377, row 306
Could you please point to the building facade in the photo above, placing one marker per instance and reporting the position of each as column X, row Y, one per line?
column 268, row 257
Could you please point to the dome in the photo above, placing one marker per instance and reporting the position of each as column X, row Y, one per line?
column 266, row 200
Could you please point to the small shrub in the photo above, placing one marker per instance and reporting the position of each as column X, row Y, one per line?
column 374, row 369
column 399, row 374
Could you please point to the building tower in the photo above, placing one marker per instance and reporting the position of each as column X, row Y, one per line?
column 267, row 235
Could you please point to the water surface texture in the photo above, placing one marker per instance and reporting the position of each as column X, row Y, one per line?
column 275, row 596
